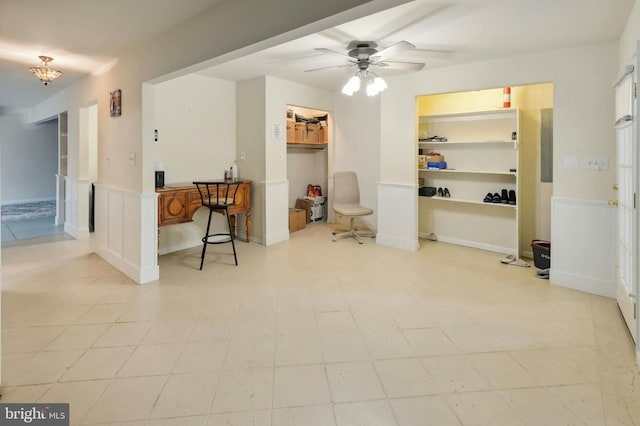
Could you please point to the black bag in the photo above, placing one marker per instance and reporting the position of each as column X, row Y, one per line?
column 427, row 191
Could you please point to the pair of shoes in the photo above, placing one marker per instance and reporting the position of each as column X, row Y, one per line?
column 492, row 198
column 504, row 197
column 512, row 197
column 543, row 274
column 514, row 261
column 444, row 193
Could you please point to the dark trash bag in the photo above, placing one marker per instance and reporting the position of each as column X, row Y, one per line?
column 541, row 254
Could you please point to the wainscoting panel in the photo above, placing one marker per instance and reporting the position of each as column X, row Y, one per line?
column 126, row 232
column 397, row 216
column 276, row 198
column 583, row 250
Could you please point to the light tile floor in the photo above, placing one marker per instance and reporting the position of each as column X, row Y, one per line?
column 311, row 333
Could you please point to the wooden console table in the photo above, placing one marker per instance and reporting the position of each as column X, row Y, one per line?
column 179, row 201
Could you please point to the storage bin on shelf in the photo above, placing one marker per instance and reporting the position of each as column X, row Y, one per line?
column 437, row 165
column 317, row 207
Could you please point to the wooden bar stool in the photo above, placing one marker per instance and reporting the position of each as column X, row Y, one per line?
column 218, row 196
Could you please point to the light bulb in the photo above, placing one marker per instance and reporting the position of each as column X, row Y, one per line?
column 352, row 86
column 380, row 84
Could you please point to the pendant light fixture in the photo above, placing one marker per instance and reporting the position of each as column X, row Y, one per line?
column 43, row 72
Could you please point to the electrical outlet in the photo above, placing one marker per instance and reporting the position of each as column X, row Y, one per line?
column 603, row 163
column 243, row 156
column 596, row 163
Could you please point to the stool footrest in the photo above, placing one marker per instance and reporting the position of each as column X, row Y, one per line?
column 218, row 238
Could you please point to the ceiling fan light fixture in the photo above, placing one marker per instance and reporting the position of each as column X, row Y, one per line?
column 45, row 74
column 376, row 86
column 352, row 86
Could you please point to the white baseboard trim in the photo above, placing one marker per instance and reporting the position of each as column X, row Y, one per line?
column 277, row 237
column 586, row 284
column 178, row 247
column 27, row 200
column 77, row 233
column 140, row 276
column 392, row 241
column 527, row 254
column 473, row 244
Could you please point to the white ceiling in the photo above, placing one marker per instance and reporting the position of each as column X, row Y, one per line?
column 83, row 36
column 87, row 35
column 445, row 32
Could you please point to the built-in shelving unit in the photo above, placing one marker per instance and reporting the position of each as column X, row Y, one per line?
column 481, row 152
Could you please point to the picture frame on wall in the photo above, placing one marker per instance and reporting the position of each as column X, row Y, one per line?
column 116, row 103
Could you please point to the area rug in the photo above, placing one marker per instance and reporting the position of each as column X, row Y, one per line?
column 28, row 211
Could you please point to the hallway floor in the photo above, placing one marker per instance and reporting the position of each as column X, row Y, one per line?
column 32, row 228
column 311, row 333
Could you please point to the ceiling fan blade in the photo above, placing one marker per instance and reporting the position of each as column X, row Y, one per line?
column 332, row 66
column 403, row 66
column 392, row 50
column 333, row 52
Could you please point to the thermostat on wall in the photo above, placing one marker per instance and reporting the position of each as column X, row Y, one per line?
column 275, row 131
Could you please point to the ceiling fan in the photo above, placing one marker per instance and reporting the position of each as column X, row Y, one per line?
column 363, row 54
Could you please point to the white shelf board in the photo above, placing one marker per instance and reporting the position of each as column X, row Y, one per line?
column 460, row 200
column 481, row 172
column 493, row 143
column 495, row 114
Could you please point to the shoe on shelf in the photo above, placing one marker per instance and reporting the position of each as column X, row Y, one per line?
column 488, row 198
column 447, row 194
column 512, row 197
column 440, row 192
column 504, row 198
column 496, row 198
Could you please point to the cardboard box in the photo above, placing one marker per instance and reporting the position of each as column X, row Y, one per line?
column 312, row 133
column 434, row 158
column 300, row 133
column 322, row 135
column 291, row 132
column 297, row 219
column 305, row 205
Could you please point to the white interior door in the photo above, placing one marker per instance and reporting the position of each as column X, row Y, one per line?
column 626, row 285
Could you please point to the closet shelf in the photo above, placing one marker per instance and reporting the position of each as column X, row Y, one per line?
column 503, row 143
column 306, row 147
column 461, row 200
column 481, row 172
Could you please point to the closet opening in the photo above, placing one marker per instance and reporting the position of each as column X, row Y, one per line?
column 308, row 136
column 484, row 161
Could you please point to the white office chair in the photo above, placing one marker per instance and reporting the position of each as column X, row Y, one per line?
column 346, row 202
